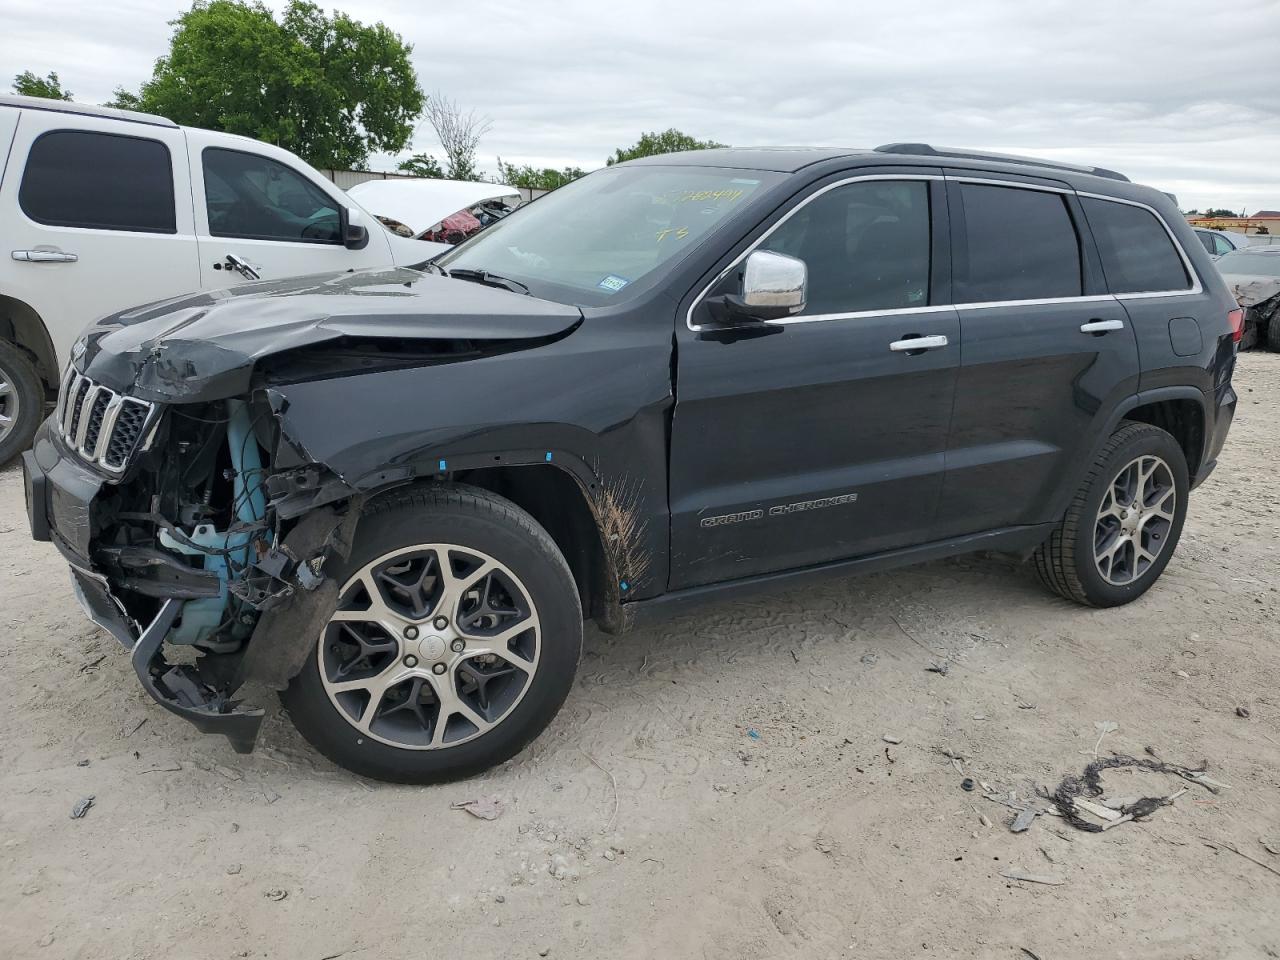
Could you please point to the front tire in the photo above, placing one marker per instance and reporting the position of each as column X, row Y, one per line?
column 21, row 401
column 1123, row 524
column 1273, row 333
column 455, row 640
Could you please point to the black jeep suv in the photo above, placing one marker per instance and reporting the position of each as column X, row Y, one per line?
column 396, row 495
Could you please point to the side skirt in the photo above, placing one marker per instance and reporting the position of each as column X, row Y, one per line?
column 1015, row 540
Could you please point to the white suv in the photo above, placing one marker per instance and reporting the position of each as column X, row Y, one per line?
column 103, row 209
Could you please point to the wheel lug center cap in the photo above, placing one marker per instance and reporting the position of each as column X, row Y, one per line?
column 432, row 648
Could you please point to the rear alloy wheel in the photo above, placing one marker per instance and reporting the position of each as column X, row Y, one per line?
column 21, row 402
column 453, row 644
column 1123, row 524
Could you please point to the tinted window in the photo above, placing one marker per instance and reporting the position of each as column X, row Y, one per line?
column 866, row 246
column 255, row 198
column 1138, row 256
column 1020, row 245
column 1243, row 261
column 100, row 181
column 1206, row 240
column 1220, row 245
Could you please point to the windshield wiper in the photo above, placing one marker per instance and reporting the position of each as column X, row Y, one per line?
column 488, row 279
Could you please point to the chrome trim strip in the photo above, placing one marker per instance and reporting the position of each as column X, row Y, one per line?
column 82, row 424
column 987, row 181
column 1193, row 290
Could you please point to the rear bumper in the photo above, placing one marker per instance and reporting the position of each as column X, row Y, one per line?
column 62, row 505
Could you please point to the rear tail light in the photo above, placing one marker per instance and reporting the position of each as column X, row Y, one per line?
column 1236, row 319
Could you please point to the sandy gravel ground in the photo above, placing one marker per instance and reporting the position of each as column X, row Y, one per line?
column 715, row 788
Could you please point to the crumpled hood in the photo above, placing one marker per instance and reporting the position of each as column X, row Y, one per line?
column 205, row 346
column 1251, row 289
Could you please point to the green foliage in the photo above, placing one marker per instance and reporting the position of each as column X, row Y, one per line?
column 122, row 99
column 1220, row 212
column 548, row 178
column 330, row 89
column 422, row 165
column 669, row 141
column 27, row 84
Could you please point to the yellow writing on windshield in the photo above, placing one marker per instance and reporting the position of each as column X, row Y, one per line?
column 679, row 232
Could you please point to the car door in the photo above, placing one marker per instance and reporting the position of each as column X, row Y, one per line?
column 1047, row 353
column 261, row 216
column 98, row 218
column 822, row 436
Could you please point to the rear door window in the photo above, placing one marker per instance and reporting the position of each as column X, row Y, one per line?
column 866, row 246
column 1138, row 255
column 1221, row 245
column 99, row 181
column 251, row 197
column 1018, row 244
column 1206, row 241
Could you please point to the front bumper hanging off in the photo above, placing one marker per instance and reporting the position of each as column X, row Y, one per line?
column 60, row 494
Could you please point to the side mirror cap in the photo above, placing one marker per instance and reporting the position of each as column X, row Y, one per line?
column 355, row 236
column 774, row 287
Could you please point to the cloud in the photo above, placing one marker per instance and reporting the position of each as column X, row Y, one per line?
column 1172, row 92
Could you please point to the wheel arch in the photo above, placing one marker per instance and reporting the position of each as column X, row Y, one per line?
column 21, row 325
column 1181, row 412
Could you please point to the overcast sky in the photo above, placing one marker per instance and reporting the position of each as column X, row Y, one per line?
column 1181, row 95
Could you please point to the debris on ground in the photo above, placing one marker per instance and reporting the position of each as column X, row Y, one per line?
column 1023, row 820
column 967, row 784
column 563, row 868
column 483, row 808
column 1242, row 713
column 1103, row 727
column 939, row 668
column 275, row 893
column 1017, row 873
column 890, row 738
column 82, row 763
column 1223, row 845
column 1070, row 796
column 1270, row 844
column 82, row 807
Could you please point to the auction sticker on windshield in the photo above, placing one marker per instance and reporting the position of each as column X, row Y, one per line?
column 613, row 284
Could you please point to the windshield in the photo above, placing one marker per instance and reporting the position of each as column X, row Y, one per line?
column 1259, row 264
column 597, row 237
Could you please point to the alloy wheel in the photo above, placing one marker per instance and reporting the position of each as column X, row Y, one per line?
column 1134, row 520
column 8, row 404
column 430, row 646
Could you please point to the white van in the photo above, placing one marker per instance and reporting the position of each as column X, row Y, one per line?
column 104, row 209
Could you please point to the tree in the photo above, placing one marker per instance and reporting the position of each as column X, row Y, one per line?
column 122, row 99
column 459, row 134
column 548, row 178
column 669, row 141
column 27, row 84
column 330, row 89
column 1220, row 212
column 422, row 165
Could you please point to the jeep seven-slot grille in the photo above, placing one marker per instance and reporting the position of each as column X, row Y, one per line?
column 101, row 425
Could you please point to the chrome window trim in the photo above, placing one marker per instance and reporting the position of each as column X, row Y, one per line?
column 1195, row 288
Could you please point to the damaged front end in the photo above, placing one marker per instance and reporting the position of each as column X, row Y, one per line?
column 187, row 545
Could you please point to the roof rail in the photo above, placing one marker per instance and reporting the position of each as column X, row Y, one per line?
column 85, row 110
column 926, row 150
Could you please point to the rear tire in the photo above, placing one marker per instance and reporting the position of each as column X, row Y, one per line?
column 1123, row 524
column 455, row 643
column 1273, row 333
column 21, row 401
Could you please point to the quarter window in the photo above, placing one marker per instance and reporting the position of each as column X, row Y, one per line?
column 866, row 246
column 1220, row 245
column 1138, row 255
column 99, row 181
column 251, row 197
column 1207, row 240
column 1019, row 244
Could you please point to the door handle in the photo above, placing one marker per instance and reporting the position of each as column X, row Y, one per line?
column 241, row 267
column 1101, row 326
column 912, row 344
column 44, row 256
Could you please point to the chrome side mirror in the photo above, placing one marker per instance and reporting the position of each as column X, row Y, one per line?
column 774, row 284
column 773, row 287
